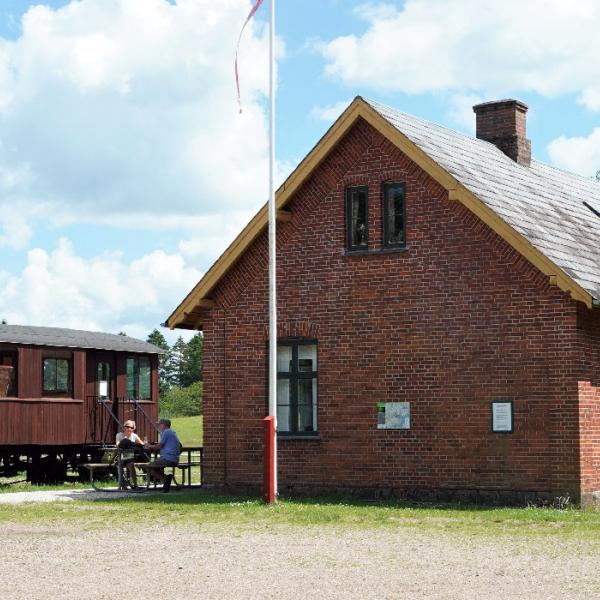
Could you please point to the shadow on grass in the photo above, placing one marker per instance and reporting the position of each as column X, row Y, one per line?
column 214, row 498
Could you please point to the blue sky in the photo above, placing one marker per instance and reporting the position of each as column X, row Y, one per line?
column 125, row 169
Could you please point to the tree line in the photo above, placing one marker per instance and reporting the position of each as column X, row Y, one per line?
column 179, row 375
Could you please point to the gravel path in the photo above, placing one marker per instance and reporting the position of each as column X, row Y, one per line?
column 56, row 495
column 221, row 563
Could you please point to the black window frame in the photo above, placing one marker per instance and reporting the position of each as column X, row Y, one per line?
column 57, row 390
column 384, row 212
column 349, row 245
column 136, row 377
column 294, row 376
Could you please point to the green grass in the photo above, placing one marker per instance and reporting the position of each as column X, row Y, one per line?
column 198, row 508
column 189, row 430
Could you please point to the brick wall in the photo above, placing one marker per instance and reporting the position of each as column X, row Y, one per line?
column 589, row 399
column 456, row 320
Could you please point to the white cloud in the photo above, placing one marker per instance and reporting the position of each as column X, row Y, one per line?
column 102, row 293
column 331, row 112
column 578, row 154
column 590, row 97
column 125, row 111
column 15, row 232
column 461, row 110
column 471, row 47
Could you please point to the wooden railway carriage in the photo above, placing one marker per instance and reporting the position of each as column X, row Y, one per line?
column 64, row 394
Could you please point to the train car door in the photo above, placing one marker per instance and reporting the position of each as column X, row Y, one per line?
column 101, row 395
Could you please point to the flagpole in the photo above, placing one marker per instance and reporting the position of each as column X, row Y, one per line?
column 272, row 245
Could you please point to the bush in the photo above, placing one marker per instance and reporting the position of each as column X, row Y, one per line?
column 182, row 402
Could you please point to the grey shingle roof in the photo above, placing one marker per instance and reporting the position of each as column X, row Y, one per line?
column 74, row 338
column 541, row 202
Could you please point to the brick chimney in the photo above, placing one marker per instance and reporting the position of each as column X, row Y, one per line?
column 502, row 123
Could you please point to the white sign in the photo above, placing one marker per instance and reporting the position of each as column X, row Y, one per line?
column 393, row 415
column 502, row 416
column 103, row 389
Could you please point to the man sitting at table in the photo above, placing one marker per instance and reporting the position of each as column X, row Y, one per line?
column 170, row 449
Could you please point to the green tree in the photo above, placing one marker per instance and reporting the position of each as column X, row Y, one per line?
column 182, row 402
column 158, row 339
column 191, row 370
column 176, row 362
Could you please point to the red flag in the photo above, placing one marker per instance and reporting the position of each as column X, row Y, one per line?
column 253, row 10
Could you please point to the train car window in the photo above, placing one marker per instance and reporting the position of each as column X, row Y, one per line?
column 57, row 375
column 139, row 384
column 145, row 378
column 8, row 374
column 103, row 380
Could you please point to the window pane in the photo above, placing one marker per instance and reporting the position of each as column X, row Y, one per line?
column 50, row 374
column 394, row 208
column 307, row 396
column 283, row 405
column 284, row 359
column 103, row 380
column 307, row 358
column 131, row 372
column 62, row 375
column 145, row 379
column 358, row 212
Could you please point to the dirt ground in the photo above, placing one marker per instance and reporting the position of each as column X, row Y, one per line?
column 217, row 562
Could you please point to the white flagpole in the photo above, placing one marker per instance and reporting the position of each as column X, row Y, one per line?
column 272, row 242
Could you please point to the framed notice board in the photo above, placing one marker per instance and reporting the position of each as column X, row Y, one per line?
column 502, row 416
column 393, row 415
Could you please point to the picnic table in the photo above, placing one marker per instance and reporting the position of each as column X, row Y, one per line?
column 193, row 458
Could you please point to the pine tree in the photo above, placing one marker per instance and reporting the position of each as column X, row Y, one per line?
column 192, row 361
column 176, row 362
column 158, row 339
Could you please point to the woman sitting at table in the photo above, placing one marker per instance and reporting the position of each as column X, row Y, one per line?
column 126, row 441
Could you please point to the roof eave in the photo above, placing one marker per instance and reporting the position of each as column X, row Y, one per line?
column 201, row 291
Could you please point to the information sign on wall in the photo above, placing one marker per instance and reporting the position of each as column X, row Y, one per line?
column 393, row 415
column 502, row 416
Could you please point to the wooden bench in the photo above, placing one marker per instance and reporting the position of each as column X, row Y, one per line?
column 182, row 466
column 112, row 462
column 93, row 467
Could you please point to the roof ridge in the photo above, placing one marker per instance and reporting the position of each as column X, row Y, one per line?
column 48, row 327
column 376, row 103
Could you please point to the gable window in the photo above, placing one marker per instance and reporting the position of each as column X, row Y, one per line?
column 394, row 223
column 57, row 375
column 297, row 387
column 357, row 223
column 139, row 383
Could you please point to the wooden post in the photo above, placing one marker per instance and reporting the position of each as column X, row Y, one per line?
column 269, row 460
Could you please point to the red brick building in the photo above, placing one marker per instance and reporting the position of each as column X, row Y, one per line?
column 439, row 328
